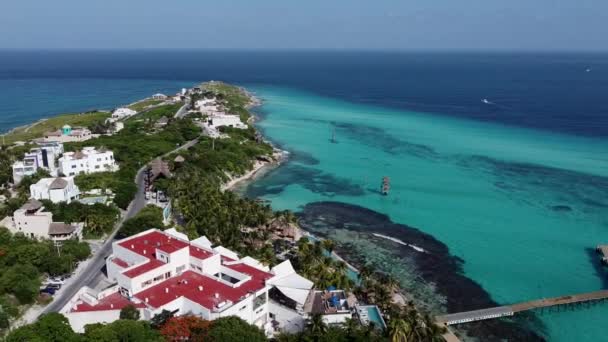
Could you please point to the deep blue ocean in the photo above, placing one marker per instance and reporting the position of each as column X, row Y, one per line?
column 546, row 91
column 499, row 160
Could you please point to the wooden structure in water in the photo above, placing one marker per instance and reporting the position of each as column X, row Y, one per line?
column 385, row 187
column 581, row 300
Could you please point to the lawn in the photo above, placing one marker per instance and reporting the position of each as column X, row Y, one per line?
column 143, row 104
column 38, row 129
column 154, row 114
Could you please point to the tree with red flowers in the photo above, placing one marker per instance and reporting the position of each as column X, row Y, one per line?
column 185, row 328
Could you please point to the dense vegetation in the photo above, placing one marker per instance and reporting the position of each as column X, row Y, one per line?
column 314, row 262
column 149, row 217
column 23, row 261
column 136, row 145
column 55, row 327
column 207, row 210
column 98, row 218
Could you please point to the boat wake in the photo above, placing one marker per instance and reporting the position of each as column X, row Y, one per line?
column 414, row 247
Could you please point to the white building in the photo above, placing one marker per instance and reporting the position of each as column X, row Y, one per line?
column 67, row 134
column 35, row 222
column 39, row 157
column 55, row 189
column 159, row 97
column 121, row 113
column 219, row 120
column 89, row 160
column 207, row 106
column 27, row 167
column 156, row 271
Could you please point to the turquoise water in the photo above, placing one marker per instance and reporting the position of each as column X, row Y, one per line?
column 522, row 208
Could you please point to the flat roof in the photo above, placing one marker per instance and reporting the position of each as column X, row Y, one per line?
column 151, row 241
column 199, row 253
column 141, row 269
column 187, row 285
column 114, row 301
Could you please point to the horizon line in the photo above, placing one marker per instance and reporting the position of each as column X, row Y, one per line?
column 307, row 49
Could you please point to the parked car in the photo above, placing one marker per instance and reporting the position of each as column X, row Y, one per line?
column 48, row 290
column 55, row 280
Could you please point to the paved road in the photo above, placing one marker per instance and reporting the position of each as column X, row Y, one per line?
column 91, row 275
column 183, row 110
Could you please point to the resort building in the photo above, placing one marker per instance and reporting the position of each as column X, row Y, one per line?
column 35, row 222
column 68, row 134
column 156, row 271
column 121, row 113
column 89, row 160
column 55, row 189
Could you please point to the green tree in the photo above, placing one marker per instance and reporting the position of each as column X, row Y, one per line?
column 399, row 330
column 149, row 217
column 21, row 280
column 235, row 329
column 129, row 312
column 122, row 330
column 53, row 327
column 316, row 325
column 4, row 317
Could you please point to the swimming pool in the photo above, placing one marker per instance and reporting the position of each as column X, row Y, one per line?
column 371, row 313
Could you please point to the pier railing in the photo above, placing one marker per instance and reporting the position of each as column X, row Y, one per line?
column 510, row 310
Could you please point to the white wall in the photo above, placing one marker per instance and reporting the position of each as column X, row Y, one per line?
column 36, row 224
column 94, row 161
column 79, row 319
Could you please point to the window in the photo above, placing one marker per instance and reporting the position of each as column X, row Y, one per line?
column 168, row 275
column 160, row 277
column 98, row 159
column 180, row 269
column 96, row 167
column 74, row 166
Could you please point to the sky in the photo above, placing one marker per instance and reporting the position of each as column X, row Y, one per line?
column 307, row 24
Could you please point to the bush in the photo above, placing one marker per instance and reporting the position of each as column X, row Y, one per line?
column 149, row 217
column 129, row 312
column 235, row 329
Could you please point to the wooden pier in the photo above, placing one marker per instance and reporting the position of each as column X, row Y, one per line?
column 509, row 310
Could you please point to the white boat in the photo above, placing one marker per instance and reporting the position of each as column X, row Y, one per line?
column 486, row 101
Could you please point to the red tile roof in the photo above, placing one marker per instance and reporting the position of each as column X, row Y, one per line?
column 120, row 262
column 146, row 245
column 151, row 241
column 199, row 253
column 112, row 302
column 141, row 269
column 187, row 285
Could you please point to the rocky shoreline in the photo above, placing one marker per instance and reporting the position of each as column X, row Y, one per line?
column 365, row 237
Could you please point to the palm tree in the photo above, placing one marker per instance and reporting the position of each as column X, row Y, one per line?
column 328, row 245
column 399, row 330
column 316, row 325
